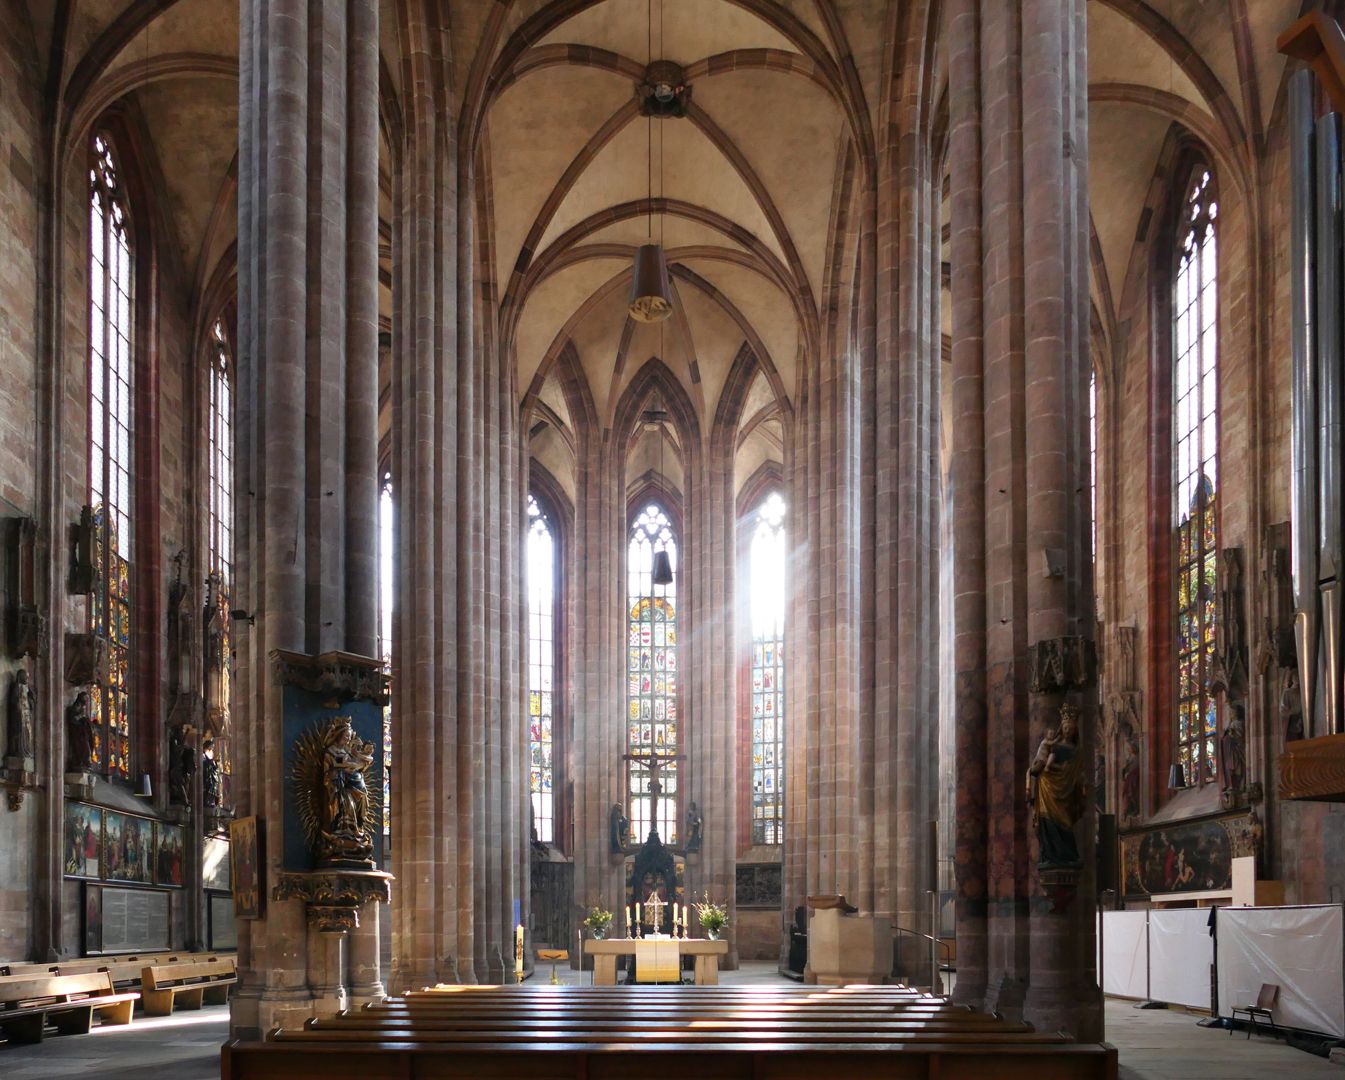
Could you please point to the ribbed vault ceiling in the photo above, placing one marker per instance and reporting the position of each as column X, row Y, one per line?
column 750, row 178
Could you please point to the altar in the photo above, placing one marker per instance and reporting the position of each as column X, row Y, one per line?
column 657, row 959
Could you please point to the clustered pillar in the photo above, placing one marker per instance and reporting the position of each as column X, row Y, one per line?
column 1021, row 539
column 307, row 434
column 865, row 500
column 458, row 722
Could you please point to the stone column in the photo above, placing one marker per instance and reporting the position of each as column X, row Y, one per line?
column 306, row 424
column 901, row 497
column 459, row 813
column 711, row 726
column 968, row 484
column 597, row 648
column 1021, row 529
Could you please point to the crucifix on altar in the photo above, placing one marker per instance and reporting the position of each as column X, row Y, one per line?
column 655, row 763
column 653, row 876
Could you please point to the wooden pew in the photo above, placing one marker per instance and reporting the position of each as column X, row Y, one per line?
column 724, row 1032
column 195, row 982
column 27, row 1001
column 126, row 968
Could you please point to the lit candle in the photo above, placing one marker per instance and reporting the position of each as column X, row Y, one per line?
column 674, row 918
column 518, row 951
column 685, row 931
column 637, row 913
column 629, row 932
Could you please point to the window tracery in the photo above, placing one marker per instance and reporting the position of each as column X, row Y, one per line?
column 111, row 429
column 1196, row 474
column 651, row 674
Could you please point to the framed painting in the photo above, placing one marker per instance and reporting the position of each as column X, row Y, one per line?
column 215, row 864
column 245, row 867
column 168, row 855
column 1186, row 856
column 82, row 853
column 128, row 848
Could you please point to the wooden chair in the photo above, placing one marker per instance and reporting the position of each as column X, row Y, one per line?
column 1263, row 1009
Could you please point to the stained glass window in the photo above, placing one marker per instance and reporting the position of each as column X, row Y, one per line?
column 1196, row 475
column 651, row 675
column 220, row 524
column 767, row 573
column 111, row 384
column 541, row 559
column 385, row 512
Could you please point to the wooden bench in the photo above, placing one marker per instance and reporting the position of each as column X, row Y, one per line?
column 725, row 1032
column 27, row 1001
column 126, row 968
column 195, row 983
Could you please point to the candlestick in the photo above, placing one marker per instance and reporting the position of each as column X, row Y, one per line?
column 674, row 918
column 630, row 928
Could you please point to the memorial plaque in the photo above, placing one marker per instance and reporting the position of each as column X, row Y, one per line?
column 118, row 919
column 223, row 929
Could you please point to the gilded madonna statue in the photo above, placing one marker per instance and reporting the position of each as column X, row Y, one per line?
column 330, row 771
column 1055, row 793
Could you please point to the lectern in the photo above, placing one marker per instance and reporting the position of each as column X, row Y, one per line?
column 845, row 946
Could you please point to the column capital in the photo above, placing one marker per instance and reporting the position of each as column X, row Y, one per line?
column 342, row 676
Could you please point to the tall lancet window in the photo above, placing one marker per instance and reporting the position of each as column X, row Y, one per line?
column 1092, row 459
column 541, row 558
column 768, row 575
column 385, row 512
column 1196, row 473
column 651, row 677
column 111, row 386
column 219, row 625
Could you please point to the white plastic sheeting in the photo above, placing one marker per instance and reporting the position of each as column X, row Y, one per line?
column 1299, row 949
column 1125, row 954
column 1180, row 954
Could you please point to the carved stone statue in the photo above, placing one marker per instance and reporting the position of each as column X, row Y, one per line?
column 329, row 772
column 182, row 765
column 1129, row 804
column 212, row 783
column 22, row 710
column 618, row 829
column 1233, row 752
column 695, row 826
column 1291, row 705
column 1230, row 649
column 78, row 735
column 1055, row 792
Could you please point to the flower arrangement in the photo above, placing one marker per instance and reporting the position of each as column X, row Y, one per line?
column 598, row 920
column 712, row 917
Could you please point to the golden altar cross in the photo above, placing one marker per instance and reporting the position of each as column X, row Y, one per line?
column 653, row 907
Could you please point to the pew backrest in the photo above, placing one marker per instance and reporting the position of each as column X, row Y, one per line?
column 23, row 991
column 188, row 973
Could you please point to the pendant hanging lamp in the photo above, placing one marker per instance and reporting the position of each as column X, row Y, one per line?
column 650, row 293
column 663, row 574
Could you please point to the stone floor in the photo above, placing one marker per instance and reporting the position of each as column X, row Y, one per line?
column 1153, row 1045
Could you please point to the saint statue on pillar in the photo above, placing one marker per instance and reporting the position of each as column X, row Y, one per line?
column 328, row 771
column 1055, row 792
